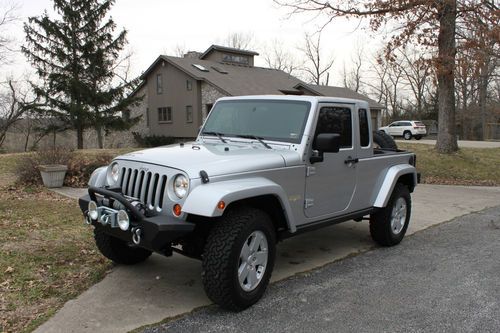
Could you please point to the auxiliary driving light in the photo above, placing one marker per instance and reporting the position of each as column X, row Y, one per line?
column 123, row 220
column 93, row 213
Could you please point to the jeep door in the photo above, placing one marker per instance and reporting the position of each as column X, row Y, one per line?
column 330, row 184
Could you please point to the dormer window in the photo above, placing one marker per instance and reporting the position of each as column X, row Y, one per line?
column 235, row 59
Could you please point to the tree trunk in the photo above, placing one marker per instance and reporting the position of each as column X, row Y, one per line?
column 2, row 137
column 446, row 139
column 79, row 136
column 100, row 143
column 483, row 89
column 28, row 133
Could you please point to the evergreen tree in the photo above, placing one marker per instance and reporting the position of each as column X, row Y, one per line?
column 108, row 100
column 74, row 55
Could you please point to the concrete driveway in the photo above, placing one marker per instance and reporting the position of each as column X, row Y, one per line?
column 461, row 143
column 130, row 297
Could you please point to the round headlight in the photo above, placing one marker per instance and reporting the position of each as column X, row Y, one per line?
column 181, row 186
column 123, row 220
column 92, row 210
column 113, row 173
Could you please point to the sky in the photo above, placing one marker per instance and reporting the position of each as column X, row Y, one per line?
column 158, row 26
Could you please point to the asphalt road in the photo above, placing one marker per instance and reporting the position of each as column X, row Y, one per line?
column 443, row 279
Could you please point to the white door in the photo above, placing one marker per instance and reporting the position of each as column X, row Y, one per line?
column 395, row 129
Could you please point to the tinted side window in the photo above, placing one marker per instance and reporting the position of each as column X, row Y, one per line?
column 336, row 120
column 364, row 133
column 406, row 123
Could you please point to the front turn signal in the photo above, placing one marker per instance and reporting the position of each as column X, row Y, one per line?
column 177, row 210
column 221, row 205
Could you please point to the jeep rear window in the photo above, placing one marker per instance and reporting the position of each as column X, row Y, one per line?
column 269, row 119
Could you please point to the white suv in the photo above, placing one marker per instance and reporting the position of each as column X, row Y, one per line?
column 406, row 128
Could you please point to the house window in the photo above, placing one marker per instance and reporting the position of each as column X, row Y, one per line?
column 238, row 59
column 165, row 114
column 189, row 85
column 159, row 84
column 189, row 114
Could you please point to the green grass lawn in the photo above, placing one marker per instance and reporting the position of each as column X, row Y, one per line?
column 469, row 166
column 47, row 256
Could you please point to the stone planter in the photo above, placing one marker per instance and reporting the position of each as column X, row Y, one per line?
column 53, row 174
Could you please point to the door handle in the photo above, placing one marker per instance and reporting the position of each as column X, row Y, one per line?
column 351, row 160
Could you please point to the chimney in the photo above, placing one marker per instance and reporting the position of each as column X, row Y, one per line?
column 192, row 55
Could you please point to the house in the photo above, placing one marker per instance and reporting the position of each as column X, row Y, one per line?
column 180, row 92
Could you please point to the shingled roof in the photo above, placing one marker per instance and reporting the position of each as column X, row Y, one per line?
column 227, row 49
column 236, row 80
column 233, row 80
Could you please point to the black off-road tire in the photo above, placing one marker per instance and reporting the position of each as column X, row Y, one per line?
column 407, row 135
column 118, row 250
column 384, row 140
column 221, row 257
column 380, row 222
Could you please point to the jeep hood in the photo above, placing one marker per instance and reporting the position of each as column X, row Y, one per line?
column 215, row 159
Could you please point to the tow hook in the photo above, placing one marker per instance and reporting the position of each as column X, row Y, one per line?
column 136, row 235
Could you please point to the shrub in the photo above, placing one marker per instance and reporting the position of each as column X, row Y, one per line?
column 153, row 140
column 27, row 168
column 80, row 166
column 27, row 171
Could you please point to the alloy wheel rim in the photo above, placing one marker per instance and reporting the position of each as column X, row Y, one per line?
column 253, row 260
column 398, row 216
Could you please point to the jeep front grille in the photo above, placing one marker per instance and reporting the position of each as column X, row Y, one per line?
column 146, row 186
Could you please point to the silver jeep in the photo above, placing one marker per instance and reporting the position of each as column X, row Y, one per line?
column 262, row 169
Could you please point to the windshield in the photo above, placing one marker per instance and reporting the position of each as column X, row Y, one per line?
column 275, row 120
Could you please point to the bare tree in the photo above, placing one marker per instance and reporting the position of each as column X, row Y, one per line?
column 429, row 23
column 317, row 66
column 417, row 72
column 180, row 50
column 8, row 15
column 238, row 40
column 277, row 57
column 352, row 77
column 387, row 85
column 13, row 106
column 466, row 86
column 478, row 53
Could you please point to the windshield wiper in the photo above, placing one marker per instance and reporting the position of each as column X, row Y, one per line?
column 258, row 138
column 217, row 134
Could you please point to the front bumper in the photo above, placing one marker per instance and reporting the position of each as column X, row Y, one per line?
column 157, row 232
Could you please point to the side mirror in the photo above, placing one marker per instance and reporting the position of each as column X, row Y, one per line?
column 325, row 143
